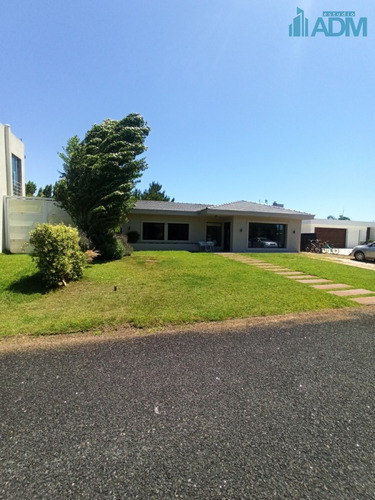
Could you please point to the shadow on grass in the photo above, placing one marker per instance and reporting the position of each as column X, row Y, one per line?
column 28, row 285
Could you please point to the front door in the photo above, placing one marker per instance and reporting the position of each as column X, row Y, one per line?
column 226, row 245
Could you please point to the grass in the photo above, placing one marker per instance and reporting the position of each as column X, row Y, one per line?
column 323, row 268
column 155, row 289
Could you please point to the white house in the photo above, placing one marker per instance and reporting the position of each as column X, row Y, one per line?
column 233, row 227
column 341, row 233
column 12, row 172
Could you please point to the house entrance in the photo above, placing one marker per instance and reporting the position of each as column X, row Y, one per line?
column 226, row 242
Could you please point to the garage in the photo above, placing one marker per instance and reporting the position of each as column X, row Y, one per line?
column 335, row 236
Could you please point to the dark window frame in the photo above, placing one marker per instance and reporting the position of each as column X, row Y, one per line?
column 274, row 231
column 16, row 175
column 161, row 231
column 146, row 230
column 181, row 237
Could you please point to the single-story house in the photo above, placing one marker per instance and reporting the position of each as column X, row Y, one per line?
column 241, row 226
column 340, row 233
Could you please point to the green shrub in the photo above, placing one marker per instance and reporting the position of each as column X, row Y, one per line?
column 128, row 249
column 133, row 236
column 57, row 253
column 84, row 242
column 110, row 248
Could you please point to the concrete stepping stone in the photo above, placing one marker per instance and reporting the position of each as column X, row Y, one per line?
column 368, row 301
column 295, row 277
column 332, row 286
column 317, row 280
column 275, row 269
column 290, row 273
column 356, row 291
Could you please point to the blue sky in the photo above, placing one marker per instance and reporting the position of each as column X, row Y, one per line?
column 237, row 108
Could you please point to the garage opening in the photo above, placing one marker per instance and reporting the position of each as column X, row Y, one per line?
column 334, row 236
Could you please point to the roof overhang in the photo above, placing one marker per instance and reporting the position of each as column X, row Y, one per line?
column 268, row 215
column 156, row 211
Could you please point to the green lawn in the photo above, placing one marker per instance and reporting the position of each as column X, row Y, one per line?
column 324, row 268
column 160, row 288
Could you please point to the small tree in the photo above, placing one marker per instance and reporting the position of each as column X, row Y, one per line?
column 47, row 191
column 341, row 217
column 99, row 176
column 154, row 192
column 57, row 253
column 30, row 188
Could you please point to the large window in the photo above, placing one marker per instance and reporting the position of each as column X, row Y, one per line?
column 178, row 232
column 264, row 235
column 213, row 232
column 156, row 231
column 153, row 231
column 17, row 176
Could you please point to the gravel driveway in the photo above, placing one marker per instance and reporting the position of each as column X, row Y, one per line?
column 280, row 408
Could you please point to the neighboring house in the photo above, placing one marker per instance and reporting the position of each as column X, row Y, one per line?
column 12, row 172
column 340, row 233
column 232, row 227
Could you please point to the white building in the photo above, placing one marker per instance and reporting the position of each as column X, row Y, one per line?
column 12, row 172
column 341, row 233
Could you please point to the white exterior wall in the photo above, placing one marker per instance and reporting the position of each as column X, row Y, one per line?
column 9, row 145
column 3, row 186
column 355, row 236
column 23, row 214
column 240, row 234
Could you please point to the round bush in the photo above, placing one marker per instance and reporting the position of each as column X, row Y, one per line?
column 57, row 253
column 111, row 248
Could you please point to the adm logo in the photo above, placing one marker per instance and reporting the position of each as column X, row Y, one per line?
column 331, row 23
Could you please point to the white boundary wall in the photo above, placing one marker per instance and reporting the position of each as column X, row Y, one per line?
column 22, row 214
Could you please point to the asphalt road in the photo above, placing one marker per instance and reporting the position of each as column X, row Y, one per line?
column 278, row 410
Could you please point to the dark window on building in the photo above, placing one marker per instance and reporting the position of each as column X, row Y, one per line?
column 264, row 235
column 17, row 176
column 213, row 232
column 153, row 231
column 178, row 232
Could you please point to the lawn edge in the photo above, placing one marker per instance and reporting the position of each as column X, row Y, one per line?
column 115, row 333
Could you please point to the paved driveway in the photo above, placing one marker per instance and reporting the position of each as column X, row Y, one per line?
column 280, row 408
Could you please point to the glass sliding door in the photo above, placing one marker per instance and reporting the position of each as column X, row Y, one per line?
column 214, row 233
column 266, row 235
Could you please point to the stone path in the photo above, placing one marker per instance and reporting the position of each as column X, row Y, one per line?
column 366, row 297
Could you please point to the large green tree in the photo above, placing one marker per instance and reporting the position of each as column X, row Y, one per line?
column 99, row 176
column 154, row 192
